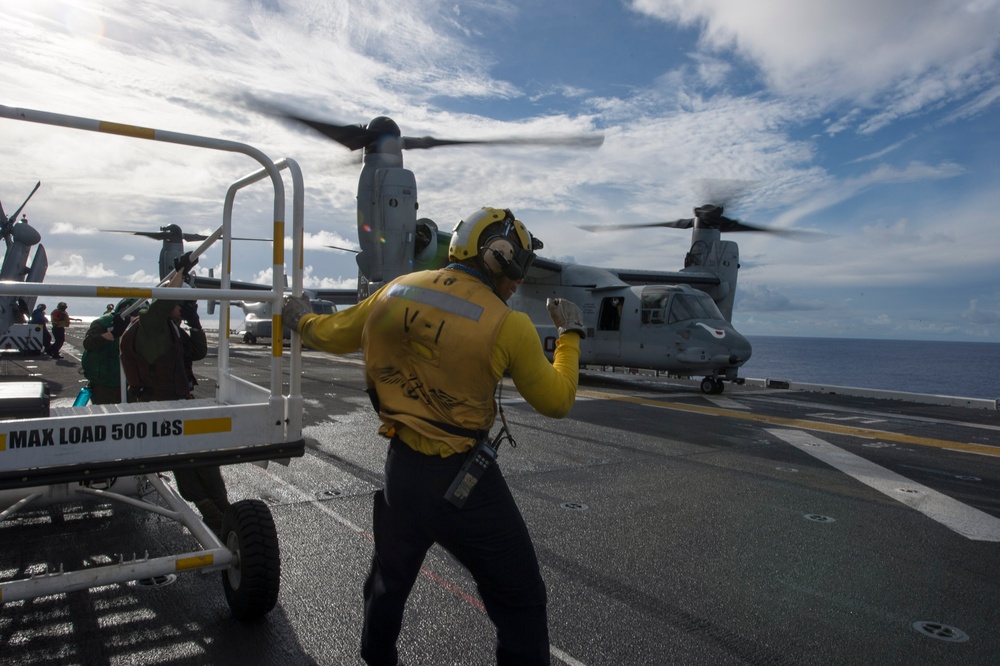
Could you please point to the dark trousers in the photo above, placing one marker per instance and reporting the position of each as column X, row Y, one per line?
column 206, row 489
column 488, row 536
column 104, row 395
column 58, row 338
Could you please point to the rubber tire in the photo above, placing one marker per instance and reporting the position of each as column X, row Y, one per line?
column 708, row 386
column 251, row 583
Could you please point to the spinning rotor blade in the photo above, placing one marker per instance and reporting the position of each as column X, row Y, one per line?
column 709, row 216
column 163, row 235
column 675, row 224
column 356, row 136
column 13, row 218
column 159, row 235
column 353, row 137
column 568, row 140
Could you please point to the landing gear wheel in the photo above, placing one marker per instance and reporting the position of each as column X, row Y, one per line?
column 712, row 386
column 249, row 339
column 251, row 583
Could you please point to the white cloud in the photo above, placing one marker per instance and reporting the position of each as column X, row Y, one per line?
column 909, row 204
column 895, row 57
column 70, row 228
column 756, row 297
column 78, row 267
column 976, row 315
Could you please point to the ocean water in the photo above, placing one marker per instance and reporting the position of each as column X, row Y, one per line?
column 965, row 369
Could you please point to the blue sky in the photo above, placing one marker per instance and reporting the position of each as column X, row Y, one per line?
column 875, row 122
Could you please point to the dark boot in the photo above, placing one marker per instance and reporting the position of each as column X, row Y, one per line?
column 211, row 515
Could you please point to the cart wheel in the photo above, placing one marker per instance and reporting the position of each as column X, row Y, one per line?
column 252, row 582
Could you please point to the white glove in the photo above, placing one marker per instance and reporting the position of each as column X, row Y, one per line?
column 293, row 309
column 566, row 315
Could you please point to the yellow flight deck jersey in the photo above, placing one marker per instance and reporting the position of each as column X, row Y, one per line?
column 436, row 345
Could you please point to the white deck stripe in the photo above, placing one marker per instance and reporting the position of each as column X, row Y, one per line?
column 966, row 520
column 725, row 403
column 563, row 657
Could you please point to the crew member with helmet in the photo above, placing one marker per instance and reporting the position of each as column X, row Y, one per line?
column 100, row 362
column 157, row 356
column 60, row 322
column 436, row 344
column 38, row 318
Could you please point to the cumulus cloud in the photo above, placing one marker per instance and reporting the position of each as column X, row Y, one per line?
column 78, row 267
column 844, row 116
column 811, row 49
column 976, row 315
column 762, row 298
column 70, row 228
column 310, row 280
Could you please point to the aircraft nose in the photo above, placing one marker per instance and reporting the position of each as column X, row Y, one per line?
column 740, row 349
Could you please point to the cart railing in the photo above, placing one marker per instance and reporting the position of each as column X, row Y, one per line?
column 244, row 422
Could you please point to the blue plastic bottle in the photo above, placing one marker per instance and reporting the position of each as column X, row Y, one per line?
column 83, row 397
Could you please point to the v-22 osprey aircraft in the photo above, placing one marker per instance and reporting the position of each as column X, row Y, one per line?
column 256, row 315
column 16, row 333
column 677, row 322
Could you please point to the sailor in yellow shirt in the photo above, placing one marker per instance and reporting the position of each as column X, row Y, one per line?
column 436, row 345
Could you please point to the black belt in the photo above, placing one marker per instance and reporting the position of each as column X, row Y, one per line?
column 447, row 427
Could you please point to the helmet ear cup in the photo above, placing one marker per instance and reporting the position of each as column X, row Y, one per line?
column 498, row 255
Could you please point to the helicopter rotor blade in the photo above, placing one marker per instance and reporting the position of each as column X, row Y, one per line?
column 158, row 235
column 727, row 192
column 352, row 137
column 711, row 216
column 673, row 224
column 567, row 141
column 356, row 136
column 343, row 249
column 161, row 235
column 13, row 218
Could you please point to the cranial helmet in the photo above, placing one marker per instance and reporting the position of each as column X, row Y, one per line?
column 498, row 239
column 123, row 304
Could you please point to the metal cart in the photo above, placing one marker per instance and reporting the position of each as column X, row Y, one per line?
column 116, row 453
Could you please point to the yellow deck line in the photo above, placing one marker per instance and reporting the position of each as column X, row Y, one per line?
column 852, row 431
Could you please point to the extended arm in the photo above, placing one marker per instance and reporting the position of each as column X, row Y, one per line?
column 548, row 387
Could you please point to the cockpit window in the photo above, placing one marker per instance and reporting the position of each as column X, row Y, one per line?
column 323, row 307
column 686, row 306
column 654, row 305
column 682, row 305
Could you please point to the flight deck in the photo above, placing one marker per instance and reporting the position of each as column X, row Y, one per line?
column 766, row 525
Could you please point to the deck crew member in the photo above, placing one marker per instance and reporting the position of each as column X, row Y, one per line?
column 38, row 318
column 436, row 344
column 100, row 362
column 157, row 356
column 60, row 322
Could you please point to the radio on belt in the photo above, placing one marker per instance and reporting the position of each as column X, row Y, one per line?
column 482, row 457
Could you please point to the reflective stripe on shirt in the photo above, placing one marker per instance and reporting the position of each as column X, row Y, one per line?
column 442, row 301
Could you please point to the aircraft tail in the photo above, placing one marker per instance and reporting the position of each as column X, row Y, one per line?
column 723, row 259
column 39, row 264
